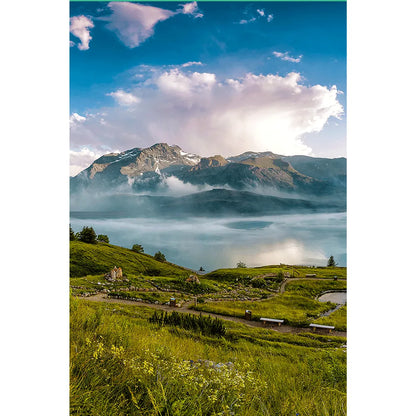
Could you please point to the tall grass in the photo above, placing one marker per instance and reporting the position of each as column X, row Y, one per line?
column 337, row 319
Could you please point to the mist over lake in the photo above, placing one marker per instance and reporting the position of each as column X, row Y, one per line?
column 307, row 239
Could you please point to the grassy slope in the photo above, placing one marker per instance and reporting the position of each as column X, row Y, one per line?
column 298, row 271
column 94, row 259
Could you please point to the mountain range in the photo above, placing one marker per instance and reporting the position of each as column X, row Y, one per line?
column 251, row 183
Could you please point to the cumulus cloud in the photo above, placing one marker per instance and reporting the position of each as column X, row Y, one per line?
column 79, row 27
column 284, row 56
column 270, row 17
column 260, row 12
column 124, row 98
column 177, row 83
column 75, row 119
column 206, row 116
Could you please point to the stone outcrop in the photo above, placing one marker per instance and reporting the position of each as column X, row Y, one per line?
column 193, row 279
column 116, row 273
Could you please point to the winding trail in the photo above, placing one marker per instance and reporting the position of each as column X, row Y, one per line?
column 102, row 297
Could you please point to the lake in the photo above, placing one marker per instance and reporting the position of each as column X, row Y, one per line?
column 222, row 242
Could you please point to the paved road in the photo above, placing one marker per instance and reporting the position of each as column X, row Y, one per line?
column 102, row 297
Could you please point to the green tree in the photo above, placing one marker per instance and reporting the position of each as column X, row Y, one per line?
column 241, row 265
column 87, row 235
column 331, row 262
column 138, row 248
column 103, row 238
column 159, row 256
column 71, row 234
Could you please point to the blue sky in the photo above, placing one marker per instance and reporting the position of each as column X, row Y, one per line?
column 121, row 53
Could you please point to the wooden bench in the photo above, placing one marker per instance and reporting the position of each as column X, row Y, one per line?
column 271, row 321
column 328, row 327
column 310, row 275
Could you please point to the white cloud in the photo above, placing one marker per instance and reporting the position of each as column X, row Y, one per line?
column 81, row 159
column 124, row 98
column 191, row 9
column 176, row 82
column 284, row 56
column 75, row 119
column 261, row 14
column 207, row 116
column 133, row 23
column 192, row 63
column 79, row 27
column 244, row 21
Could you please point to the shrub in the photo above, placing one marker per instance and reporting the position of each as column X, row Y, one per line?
column 103, row 238
column 241, row 265
column 204, row 324
column 259, row 283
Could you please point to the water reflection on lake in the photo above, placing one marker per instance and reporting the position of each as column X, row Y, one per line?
column 339, row 298
column 222, row 242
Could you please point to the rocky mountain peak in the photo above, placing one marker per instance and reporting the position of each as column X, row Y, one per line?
column 158, row 157
column 210, row 162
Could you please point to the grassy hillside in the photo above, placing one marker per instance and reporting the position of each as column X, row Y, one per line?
column 296, row 271
column 94, row 259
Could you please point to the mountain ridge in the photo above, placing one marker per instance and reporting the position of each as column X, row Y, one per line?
column 146, row 169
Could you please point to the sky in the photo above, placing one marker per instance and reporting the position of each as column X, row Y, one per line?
column 211, row 77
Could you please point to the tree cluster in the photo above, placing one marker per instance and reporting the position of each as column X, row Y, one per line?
column 87, row 235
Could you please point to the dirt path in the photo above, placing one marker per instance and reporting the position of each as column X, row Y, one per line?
column 185, row 309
